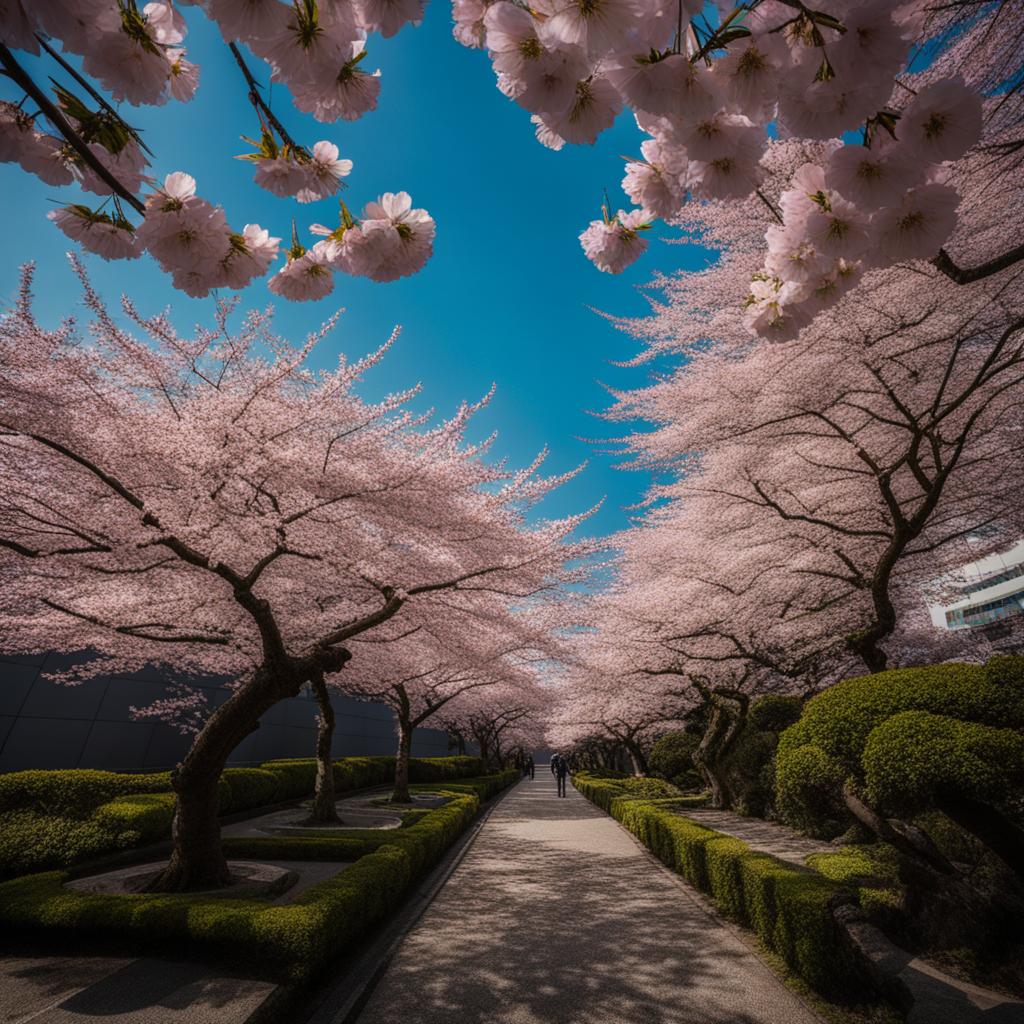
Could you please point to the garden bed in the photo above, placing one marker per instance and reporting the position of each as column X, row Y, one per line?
column 56, row 819
column 289, row 941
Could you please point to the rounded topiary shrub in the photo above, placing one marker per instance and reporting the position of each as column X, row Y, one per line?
column 916, row 722
column 672, row 759
column 775, row 712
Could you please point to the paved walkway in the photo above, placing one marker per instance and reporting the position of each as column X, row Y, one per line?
column 556, row 916
column 766, row 836
column 121, row 990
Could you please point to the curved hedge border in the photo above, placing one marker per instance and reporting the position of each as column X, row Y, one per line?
column 788, row 909
column 290, row 941
column 54, row 819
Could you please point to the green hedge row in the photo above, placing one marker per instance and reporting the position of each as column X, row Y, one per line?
column 424, row 841
column 52, row 819
column 788, row 909
column 291, row 940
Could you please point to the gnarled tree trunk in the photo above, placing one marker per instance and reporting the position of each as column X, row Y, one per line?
column 636, row 757
column 990, row 827
column 323, row 809
column 403, row 721
column 727, row 718
column 197, row 858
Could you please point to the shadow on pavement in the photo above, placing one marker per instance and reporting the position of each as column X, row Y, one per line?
column 556, row 915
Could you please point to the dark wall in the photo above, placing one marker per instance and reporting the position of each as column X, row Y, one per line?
column 47, row 725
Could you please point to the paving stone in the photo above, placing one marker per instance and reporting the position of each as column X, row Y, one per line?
column 75, row 990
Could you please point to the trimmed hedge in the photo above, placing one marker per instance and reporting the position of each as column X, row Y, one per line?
column 53, row 819
column 788, row 909
column 425, row 839
column 75, row 792
column 289, row 941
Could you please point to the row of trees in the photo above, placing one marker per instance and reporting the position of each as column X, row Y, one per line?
column 213, row 505
column 811, row 495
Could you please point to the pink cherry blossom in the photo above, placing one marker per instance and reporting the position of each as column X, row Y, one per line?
column 919, row 225
column 612, row 245
column 109, row 237
column 942, row 121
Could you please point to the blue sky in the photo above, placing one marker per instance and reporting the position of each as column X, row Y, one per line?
column 508, row 295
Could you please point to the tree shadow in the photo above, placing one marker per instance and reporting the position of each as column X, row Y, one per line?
column 556, row 915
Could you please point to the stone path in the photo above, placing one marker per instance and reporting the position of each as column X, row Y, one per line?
column 766, row 836
column 556, row 916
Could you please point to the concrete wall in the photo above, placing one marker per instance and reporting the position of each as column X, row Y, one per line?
column 46, row 725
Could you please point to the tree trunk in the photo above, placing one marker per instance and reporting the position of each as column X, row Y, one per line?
column 636, row 758
column 988, row 825
column 197, row 859
column 483, row 742
column 323, row 809
column 911, row 843
column 727, row 718
column 401, row 793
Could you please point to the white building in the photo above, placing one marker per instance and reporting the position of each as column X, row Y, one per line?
column 990, row 589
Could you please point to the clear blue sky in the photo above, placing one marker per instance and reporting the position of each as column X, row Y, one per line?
column 507, row 296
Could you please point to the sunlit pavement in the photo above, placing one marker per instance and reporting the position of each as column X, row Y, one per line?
column 556, row 916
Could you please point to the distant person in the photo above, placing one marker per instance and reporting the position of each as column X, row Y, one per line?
column 560, row 770
column 529, row 769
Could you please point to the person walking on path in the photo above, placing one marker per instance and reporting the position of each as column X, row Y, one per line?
column 560, row 769
column 529, row 765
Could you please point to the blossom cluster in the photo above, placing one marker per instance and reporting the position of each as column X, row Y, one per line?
column 52, row 160
column 316, row 49
column 136, row 55
column 189, row 237
column 289, row 171
column 865, row 208
column 709, row 98
column 390, row 241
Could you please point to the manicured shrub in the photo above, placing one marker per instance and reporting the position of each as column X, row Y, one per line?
column 828, row 744
column 444, row 769
column 672, row 759
column 807, row 790
column 73, row 793
column 913, row 756
column 775, row 713
column 839, row 719
column 144, row 818
column 30, row 841
column 245, row 788
column 297, row 777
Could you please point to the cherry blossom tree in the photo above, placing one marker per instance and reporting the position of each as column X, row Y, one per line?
column 508, row 716
column 860, row 458
column 212, row 505
column 474, row 666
